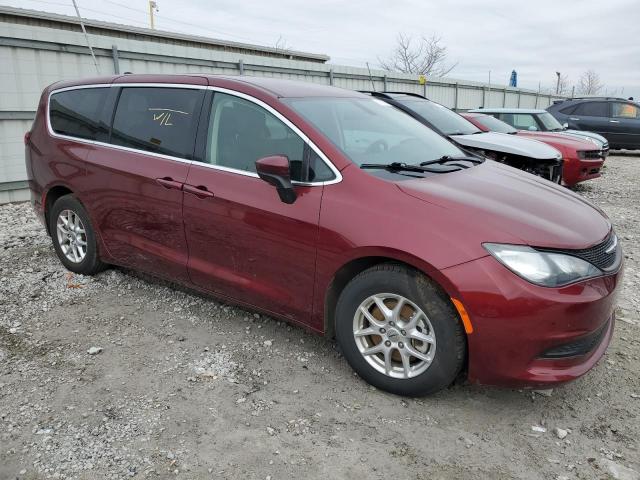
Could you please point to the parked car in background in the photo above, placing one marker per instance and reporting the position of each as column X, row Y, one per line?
column 616, row 119
column 333, row 210
column 582, row 158
column 530, row 156
column 537, row 120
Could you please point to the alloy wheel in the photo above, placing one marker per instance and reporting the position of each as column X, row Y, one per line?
column 394, row 335
column 72, row 236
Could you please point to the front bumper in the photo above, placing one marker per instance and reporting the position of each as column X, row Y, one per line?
column 578, row 170
column 516, row 324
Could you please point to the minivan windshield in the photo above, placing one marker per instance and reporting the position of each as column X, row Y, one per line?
column 495, row 125
column 550, row 123
column 370, row 131
column 445, row 120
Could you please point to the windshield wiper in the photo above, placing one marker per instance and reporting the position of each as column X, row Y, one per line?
column 405, row 167
column 447, row 158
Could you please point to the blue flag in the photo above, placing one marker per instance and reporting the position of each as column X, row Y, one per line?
column 514, row 79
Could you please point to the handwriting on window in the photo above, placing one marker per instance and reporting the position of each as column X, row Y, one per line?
column 164, row 116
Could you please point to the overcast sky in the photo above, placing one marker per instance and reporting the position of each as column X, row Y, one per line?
column 536, row 38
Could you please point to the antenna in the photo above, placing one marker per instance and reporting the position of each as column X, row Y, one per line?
column 371, row 78
column 86, row 37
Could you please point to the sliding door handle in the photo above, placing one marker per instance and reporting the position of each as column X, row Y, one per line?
column 200, row 191
column 168, row 182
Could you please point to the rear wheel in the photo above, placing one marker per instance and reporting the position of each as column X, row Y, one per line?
column 399, row 331
column 73, row 236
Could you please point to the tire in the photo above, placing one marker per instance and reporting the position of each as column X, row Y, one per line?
column 86, row 261
column 440, row 360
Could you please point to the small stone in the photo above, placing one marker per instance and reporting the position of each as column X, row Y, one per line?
column 560, row 433
column 23, row 471
column 241, row 400
column 545, row 393
column 538, row 429
column 94, row 350
column 271, row 431
column 268, row 343
column 617, row 471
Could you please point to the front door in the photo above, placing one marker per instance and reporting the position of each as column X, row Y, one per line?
column 135, row 187
column 244, row 242
column 624, row 125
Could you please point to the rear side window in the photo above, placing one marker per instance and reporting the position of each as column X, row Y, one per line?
column 77, row 113
column 158, row 120
column 592, row 109
column 524, row 121
column 568, row 110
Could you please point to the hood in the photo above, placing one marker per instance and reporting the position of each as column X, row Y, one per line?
column 511, row 144
column 570, row 141
column 588, row 135
column 514, row 206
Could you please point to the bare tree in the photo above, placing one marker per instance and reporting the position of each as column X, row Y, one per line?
column 425, row 56
column 590, row 83
column 281, row 44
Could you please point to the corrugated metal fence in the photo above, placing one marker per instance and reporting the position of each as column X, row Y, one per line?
column 32, row 57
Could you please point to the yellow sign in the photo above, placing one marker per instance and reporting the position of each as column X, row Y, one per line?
column 422, row 79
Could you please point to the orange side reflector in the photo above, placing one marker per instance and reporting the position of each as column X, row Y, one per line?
column 466, row 321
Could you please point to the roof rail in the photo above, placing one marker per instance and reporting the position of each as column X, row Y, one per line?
column 597, row 98
column 411, row 94
column 374, row 93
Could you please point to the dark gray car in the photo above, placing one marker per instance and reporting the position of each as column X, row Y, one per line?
column 616, row 119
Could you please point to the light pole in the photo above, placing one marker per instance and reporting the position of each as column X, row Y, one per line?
column 153, row 6
column 558, row 83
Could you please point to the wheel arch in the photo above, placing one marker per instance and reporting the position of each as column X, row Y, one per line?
column 355, row 265
column 50, row 196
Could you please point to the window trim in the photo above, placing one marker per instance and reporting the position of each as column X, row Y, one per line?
column 260, row 103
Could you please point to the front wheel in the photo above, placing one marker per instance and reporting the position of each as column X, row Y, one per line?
column 399, row 331
column 73, row 236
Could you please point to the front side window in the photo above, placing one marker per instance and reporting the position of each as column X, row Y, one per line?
column 592, row 109
column 77, row 113
column 549, row 121
column 157, row 119
column 443, row 119
column 625, row 110
column 495, row 125
column 241, row 132
column 368, row 130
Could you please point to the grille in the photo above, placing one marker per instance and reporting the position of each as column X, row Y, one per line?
column 605, row 255
column 582, row 346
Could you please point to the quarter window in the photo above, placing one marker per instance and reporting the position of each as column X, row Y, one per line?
column 592, row 109
column 77, row 113
column 241, row 132
column 625, row 110
column 159, row 120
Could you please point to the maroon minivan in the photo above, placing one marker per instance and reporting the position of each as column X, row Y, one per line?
column 332, row 210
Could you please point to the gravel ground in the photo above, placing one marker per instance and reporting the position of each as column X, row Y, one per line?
column 185, row 387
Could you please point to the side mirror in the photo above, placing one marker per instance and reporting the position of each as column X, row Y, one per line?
column 565, row 125
column 275, row 171
column 532, row 129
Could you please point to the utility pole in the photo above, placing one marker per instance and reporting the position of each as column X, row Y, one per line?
column 558, row 83
column 489, row 93
column 153, row 6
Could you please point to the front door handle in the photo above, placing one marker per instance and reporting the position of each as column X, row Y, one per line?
column 573, row 118
column 200, row 191
column 168, row 182
column 614, row 121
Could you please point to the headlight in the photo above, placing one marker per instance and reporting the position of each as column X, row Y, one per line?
column 548, row 269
